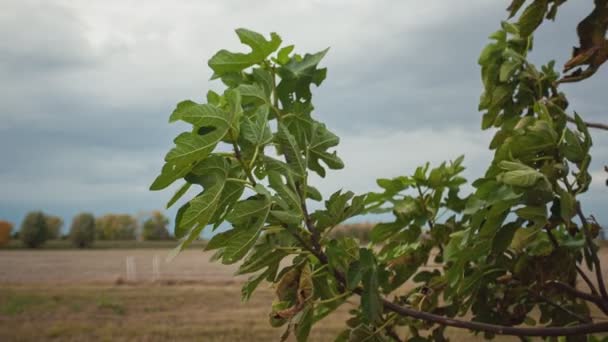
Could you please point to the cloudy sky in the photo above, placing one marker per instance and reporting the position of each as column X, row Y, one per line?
column 86, row 89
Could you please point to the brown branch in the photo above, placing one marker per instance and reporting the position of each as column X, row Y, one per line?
column 589, row 124
column 597, row 300
column 587, row 328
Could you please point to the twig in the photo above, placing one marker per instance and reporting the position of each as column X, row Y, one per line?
column 589, row 124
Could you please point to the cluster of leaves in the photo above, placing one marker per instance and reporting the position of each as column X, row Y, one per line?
column 34, row 231
column 116, row 227
column 155, row 227
column 513, row 245
column 82, row 231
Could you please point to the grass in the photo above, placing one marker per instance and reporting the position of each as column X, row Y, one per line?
column 151, row 313
column 143, row 312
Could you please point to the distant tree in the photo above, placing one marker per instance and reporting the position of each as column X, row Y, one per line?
column 34, row 230
column 155, row 227
column 82, row 231
column 54, row 224
column 5, row 232
column 115, row 227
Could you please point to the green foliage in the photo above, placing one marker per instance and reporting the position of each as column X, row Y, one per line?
column 499, row 250
column 34, row 231
column 82, row 231
column 155, row 227
column 115, row 227
column 54, row 224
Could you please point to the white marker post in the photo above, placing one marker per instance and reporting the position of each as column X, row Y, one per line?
column 156, row 268
column 131, row 272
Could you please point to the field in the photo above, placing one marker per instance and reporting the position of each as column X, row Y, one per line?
column 75, row 295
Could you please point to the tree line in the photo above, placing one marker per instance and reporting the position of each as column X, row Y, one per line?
column 37, row 227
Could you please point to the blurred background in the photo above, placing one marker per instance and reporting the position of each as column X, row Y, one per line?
column 86, row 89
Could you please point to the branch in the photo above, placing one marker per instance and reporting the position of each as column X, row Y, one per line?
column 580, row 329
column 598, row 301
column 586, row 328
column 589, row 124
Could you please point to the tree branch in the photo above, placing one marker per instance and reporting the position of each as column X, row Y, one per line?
column 589, row 124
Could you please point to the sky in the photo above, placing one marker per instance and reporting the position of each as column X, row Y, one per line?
column 87, row 87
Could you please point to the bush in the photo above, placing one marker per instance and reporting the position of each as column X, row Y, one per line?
column 54, row 224
column 115, row 227
column 5, row 232
column 82, row 231
column 155, row 227
column 34, row 231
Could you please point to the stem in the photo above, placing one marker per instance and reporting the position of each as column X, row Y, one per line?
column 239, row 157
column 340, row 296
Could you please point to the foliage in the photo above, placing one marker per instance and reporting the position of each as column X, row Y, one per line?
column 54, row 224
column 155, row 227
column 34, row 231
column 115, row 227
column 516, row 244
column 82, row 231
column 5, row 232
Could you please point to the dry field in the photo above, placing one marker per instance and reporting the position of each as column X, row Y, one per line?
column 74, row 295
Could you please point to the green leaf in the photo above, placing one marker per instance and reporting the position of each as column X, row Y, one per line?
column 202, row 207
column 303, row 323
column 250, row 285
column 169, row 174
column 322, row 140
column 507, row 69
column 253, row 91
column 514, row 7
column 191, row 147
column 255, row 129
column 283, row 55
column 303, row 68
column 291, row 150
column 225, row 62
column 178, row 194
column 503, row 238
column 532, row 17
column 287, row 217
column 522, row 178
column 370, row 299
column 249, row 217
column 230, row 195
column 287, row 194
column 354, row 275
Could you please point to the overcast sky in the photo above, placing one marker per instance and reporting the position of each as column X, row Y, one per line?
column 86, row 89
